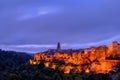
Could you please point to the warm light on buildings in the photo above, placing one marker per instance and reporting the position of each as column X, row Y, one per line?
column 94, row 57
column 47, row 64
column 53, row 66
column 87, row 70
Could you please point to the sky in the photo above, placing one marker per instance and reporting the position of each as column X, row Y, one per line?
column 37, row 25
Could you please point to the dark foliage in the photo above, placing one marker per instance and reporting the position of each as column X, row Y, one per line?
column 11, row 60
column 15, row 66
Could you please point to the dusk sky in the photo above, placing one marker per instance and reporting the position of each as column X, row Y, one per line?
column 37, row 25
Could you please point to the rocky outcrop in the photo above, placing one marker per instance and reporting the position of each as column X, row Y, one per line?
column 97, row 59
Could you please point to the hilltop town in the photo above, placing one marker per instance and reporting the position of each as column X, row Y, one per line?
column 102, row 59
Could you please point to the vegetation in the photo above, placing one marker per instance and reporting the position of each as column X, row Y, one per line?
column 15, row 66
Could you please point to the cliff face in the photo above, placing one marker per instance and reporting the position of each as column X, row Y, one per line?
column 97, row 59
column 114, row 50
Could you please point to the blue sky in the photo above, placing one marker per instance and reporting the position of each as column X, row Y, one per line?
column 36, row 25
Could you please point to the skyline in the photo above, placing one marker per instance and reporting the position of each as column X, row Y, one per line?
column 33, row 26
column 43, row 48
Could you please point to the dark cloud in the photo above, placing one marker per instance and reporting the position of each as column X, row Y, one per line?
column 49, row 21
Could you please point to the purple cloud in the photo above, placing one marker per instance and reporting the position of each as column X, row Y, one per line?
column 76, row 23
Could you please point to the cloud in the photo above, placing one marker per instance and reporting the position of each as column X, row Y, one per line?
column 81, row 23
column 29, row 48
column 33, row 15
column 99, row 43
column 34, row 12
column 32, row 46
column 37, row 47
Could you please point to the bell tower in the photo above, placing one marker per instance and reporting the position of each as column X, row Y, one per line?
column 58, row 46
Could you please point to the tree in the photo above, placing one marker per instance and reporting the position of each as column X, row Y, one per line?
column 117, row 77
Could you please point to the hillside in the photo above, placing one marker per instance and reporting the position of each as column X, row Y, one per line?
column 11, row 59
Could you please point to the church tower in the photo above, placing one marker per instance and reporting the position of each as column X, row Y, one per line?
column 58, row 46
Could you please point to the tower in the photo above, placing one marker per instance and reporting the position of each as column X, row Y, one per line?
column 58, row 46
